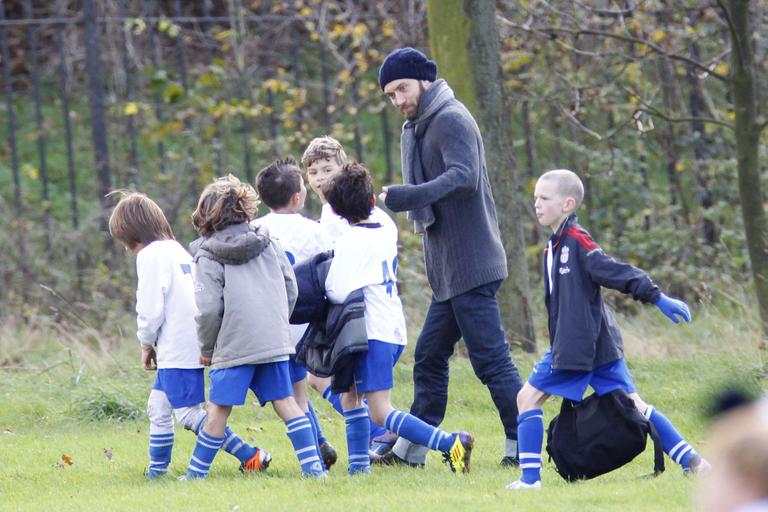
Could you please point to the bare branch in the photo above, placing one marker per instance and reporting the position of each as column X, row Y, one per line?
column 592, row 133
column 552, row 32
column 657, row 113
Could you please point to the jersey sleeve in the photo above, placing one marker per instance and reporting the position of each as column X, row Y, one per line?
column 291, row 288
column 153, row 280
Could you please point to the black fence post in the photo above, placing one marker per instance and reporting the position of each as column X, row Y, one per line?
column 17, row 202
column 98, row 116
column 39, row 131
column 71, row 173
column 133, row 150
column 216, row 140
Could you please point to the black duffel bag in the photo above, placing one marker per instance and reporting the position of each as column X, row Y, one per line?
column 599, row 434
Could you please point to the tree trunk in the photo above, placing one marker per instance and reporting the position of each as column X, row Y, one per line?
column 701, row 142
column 466, row 45
column 747, row 132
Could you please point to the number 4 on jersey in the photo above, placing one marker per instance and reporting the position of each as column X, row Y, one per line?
column 389, row 280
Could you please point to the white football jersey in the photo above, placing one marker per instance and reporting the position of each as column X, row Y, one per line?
column 365, row 256
column 301, row 238
column 165, row 304
column 335, row 226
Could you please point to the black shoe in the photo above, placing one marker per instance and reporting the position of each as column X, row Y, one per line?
column 510, row 462
column 328, row 454
column 391, row 459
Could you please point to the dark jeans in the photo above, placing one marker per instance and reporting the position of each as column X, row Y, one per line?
column 474, row 316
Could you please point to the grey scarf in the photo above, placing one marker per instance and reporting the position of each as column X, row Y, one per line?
column 431, row 101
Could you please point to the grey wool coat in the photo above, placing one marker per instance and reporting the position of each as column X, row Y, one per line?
column 462, row 248
column 245, row 291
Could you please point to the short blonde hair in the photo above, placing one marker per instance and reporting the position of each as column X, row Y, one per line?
column 323, row 147
column 138, row 220
column 567, row 182
column 224, row 202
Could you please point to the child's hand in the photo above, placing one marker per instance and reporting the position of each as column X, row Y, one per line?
column 205, row 361
column 148, row 358
column 383, row 195
column 671, row 307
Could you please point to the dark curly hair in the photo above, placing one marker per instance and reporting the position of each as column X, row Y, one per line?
column 350, row 192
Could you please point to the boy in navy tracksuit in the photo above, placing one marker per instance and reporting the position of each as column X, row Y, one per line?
column 585, row 342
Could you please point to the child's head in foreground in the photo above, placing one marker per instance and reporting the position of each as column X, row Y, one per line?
column 323, row 157
column 224, row 202
column 137, row 221
column 281, row 186
column 350, row 193
column 558, row 194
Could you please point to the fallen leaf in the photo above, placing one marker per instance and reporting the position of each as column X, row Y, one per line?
column 108, row 454
column 58, row 465
column 254, row 429
column 67, row 459
column 7, row 430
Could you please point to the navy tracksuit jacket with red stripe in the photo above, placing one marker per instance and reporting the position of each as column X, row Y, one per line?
column 583, row 333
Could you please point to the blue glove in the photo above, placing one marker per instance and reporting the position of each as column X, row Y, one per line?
column 671, row 307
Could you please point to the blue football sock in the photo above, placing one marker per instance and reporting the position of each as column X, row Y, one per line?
column 299, row 431
column 417, row 431
column 203, row 454
column 314, row 434
column 673, row 443
column 160, row 448
column 234, row 445
column 357, row 422
column 316, row 423
column 375, row 430
column 530, row 435
column 334, row 399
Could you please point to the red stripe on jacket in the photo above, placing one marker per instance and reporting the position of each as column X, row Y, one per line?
column 582, row 237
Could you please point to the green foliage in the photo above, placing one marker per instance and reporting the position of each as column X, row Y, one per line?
column 99, row 405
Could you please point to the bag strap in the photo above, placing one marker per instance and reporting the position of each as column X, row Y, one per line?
column 658, row 451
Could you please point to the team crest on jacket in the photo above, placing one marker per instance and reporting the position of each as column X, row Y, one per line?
column 564, row 255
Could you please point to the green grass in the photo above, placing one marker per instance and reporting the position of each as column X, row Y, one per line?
column 64, row 410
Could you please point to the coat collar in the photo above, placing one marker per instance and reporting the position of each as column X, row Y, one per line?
column 567, row 224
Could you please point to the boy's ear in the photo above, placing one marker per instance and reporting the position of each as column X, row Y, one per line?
column 570, row 204
column 373, row 200
column 296, row 198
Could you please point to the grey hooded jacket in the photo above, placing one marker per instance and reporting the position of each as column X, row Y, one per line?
column 245, row 291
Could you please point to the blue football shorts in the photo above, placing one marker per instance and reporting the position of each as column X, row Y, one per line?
column 572, row 384
column 373, row 370
column 182, row 386
column 298, row 372
column 268, row 381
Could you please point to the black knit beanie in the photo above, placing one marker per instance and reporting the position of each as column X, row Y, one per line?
column 406, row 63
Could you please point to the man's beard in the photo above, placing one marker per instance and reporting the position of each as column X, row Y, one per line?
column 418, row 99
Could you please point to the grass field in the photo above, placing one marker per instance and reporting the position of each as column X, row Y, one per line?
column 59, row 398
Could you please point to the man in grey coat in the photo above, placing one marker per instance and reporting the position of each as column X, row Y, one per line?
column 448, row 197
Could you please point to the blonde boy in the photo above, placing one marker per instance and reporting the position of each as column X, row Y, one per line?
column 585, row 343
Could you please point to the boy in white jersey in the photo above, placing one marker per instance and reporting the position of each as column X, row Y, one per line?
column 281, row 186
column 365, row 256
column 323, row 158
column 165, row 308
